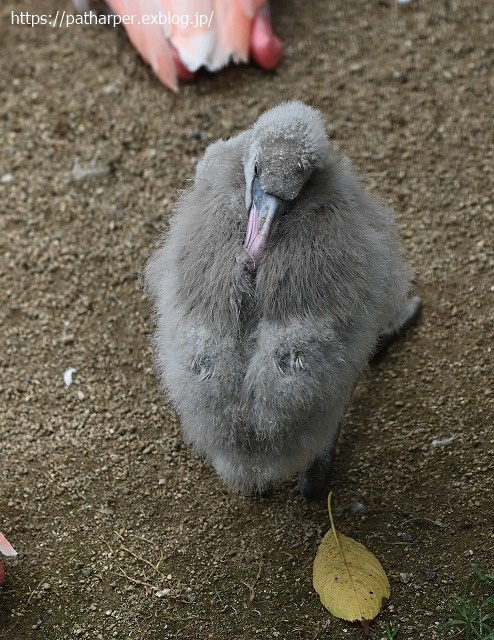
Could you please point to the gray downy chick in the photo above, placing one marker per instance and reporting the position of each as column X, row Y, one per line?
column 278, row 279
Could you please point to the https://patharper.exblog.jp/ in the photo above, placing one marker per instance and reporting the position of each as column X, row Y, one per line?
column 62, row 19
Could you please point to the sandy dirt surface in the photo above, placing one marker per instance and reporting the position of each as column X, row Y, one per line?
column 122, row 532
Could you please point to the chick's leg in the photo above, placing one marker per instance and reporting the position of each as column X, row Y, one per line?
column 313, row 483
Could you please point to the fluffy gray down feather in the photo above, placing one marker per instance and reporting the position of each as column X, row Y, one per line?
column 260, row 362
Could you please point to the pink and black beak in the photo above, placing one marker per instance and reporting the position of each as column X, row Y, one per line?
column 264, row 216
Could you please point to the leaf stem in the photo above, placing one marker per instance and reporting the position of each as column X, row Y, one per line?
column 333, row 528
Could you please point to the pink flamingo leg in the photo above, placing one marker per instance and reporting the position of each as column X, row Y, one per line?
column 265, row 48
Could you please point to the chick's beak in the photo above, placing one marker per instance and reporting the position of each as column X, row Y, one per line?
column 263, row 220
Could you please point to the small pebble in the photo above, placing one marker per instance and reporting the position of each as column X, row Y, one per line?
column 109, row 88
column 67, row 376
column 357, row 508
column 443, row 442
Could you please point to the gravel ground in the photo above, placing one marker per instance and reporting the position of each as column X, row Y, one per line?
column 121, row 531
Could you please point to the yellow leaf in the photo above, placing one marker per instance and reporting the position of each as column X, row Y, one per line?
column 348, row 578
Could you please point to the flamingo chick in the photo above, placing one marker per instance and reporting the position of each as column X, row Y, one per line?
column 276, row 281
